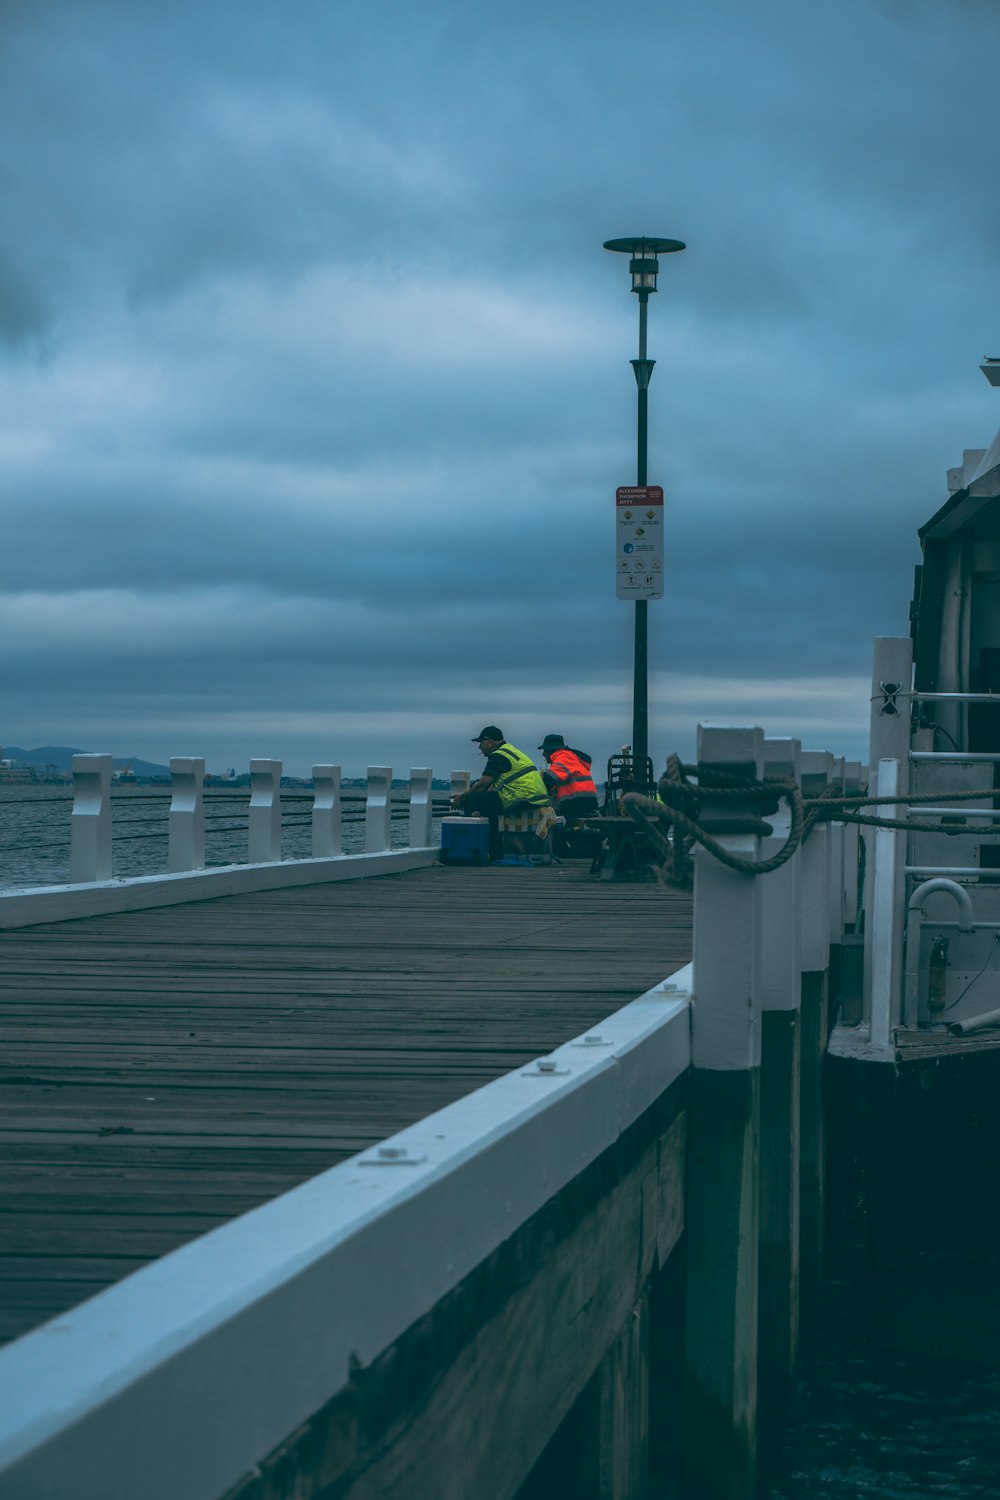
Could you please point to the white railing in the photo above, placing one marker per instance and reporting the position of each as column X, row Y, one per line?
column 893, row 931
column 955, row 755
column 93, row 890
column 91, row 838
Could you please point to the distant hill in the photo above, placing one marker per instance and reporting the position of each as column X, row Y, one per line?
column 61, row 756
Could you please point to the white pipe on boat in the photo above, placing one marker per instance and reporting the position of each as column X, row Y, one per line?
column 913, row 915
column 974, row 1023
column 961, row 895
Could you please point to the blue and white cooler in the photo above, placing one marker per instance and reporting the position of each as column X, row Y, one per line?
column 465, row 841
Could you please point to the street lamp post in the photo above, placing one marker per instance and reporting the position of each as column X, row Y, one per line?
column 644, row 267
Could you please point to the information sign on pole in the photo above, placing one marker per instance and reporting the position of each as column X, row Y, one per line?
column 639, row 541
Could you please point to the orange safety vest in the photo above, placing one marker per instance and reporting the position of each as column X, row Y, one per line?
column 573, row 778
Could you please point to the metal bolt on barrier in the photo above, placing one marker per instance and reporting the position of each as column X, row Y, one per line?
column 544, row 1067
column 392, row 1156
column 594, row 1039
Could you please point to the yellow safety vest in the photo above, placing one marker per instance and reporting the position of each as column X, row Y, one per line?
column 523, row 782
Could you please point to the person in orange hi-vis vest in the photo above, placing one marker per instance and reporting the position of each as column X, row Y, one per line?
column 568, row 778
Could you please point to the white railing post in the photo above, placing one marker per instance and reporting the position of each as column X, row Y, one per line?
column 460, row 783
column 186, row 819
column 726, row 1033
column 815, row 770
column 884, row 930
column 327, row 834
column 265, row 811
column 90, row 823
column 378, row 809
column 421, row 807
column 892, row 663
column 892, row 667
column 722, row 1227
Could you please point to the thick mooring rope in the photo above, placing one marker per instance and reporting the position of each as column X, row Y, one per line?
column 682, row 803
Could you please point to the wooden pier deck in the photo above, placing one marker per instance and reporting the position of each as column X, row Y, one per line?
column 169, row 1069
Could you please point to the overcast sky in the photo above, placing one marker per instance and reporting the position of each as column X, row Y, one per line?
column 314, row 382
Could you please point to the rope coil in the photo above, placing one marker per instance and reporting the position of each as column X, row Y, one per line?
column 676, row 822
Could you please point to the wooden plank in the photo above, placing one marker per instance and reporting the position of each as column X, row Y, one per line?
column 168, row 1068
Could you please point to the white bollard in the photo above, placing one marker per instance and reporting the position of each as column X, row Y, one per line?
column 265, row 811
column 327, row 837
column 90, row 824
column 727, row 950
column 460, row 783
column 378, row 809
column 421, row 807
column 186, row 819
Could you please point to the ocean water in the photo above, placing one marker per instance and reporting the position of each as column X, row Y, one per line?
column 35, row 830
column 900, row 1392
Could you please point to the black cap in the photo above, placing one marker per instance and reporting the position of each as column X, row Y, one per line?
column 553, row 742
column 491, row 732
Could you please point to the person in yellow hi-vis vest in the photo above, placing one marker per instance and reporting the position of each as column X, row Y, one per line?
column 510, row 782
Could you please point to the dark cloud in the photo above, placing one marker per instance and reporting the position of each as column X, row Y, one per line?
column 22, row 309
column 315, row 380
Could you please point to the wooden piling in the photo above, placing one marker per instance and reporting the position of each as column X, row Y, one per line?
column 723, row 1153
column 781, row 1049
column 623, row 1411
column 816, row 768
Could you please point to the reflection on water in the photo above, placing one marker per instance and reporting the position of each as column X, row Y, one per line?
column 35, row 830
column 902, row 1395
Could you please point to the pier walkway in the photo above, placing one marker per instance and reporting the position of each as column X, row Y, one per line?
column 166, row 1070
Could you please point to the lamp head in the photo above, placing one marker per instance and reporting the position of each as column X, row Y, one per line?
column 644, row 264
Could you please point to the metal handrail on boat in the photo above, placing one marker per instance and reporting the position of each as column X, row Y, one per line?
column 951, row 697
column 962, row 755
column 916, row 810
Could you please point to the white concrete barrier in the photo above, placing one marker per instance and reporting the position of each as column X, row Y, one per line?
column 59, row 903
